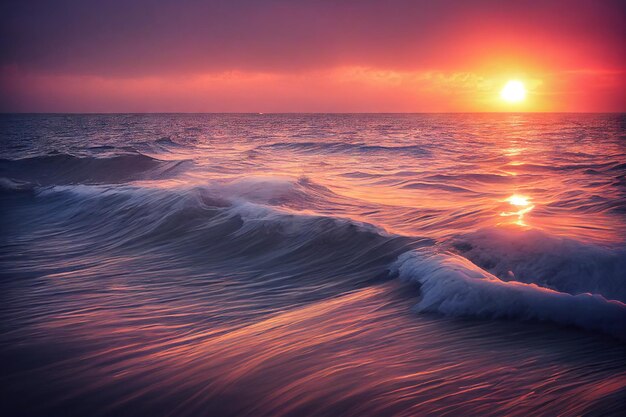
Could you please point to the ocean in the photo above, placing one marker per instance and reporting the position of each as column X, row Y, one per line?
column 313, row 264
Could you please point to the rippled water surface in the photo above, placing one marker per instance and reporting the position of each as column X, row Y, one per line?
column 267, row 265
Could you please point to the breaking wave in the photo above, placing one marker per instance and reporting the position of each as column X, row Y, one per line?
column 559, row 263
column 250, row 222
column 452, row 285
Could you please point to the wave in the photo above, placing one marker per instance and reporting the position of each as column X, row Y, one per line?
column 62, row 169
column 559, row 263
column 473, row 177
column 419, row 185
column 218, row 226
column 530, row 167
column 360, row 174
column 454, row 286
column 301, row 193
column 244, row 224
column 344, row 147
column 168, row 142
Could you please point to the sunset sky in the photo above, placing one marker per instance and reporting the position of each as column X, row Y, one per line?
column 310, row 56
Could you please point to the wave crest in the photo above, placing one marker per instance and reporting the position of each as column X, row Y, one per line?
column 559, row 263
column 452, row 285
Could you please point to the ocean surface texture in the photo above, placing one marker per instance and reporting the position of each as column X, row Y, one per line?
column 295, row 265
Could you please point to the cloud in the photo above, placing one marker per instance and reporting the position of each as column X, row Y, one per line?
column 340, row 89
column 141, row 38
column 279, row 55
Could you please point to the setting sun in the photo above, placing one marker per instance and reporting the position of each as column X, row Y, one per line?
column 513, row 92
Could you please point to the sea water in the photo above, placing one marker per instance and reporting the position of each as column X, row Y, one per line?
column 323, row 264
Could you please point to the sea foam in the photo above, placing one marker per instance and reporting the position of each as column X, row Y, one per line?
column 452, row 285
column 560, row 263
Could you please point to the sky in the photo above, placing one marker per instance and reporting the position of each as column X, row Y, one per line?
column 311, row 56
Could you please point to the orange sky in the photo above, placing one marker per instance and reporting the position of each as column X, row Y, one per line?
column 289, row 56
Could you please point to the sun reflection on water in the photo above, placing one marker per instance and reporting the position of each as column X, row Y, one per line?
column 523, row 203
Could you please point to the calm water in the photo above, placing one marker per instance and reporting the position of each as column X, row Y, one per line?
column 292, row 265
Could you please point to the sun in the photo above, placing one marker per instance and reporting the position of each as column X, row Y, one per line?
column 513, row 92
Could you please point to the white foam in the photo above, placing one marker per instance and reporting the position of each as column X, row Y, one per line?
column 556, row 262
column 452, row 285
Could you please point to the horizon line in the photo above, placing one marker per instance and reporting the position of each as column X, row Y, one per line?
column 304, row 112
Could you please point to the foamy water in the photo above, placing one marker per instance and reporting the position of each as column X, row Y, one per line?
column 313, row 264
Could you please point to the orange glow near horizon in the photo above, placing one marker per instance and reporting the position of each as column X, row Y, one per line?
column 342, row 89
